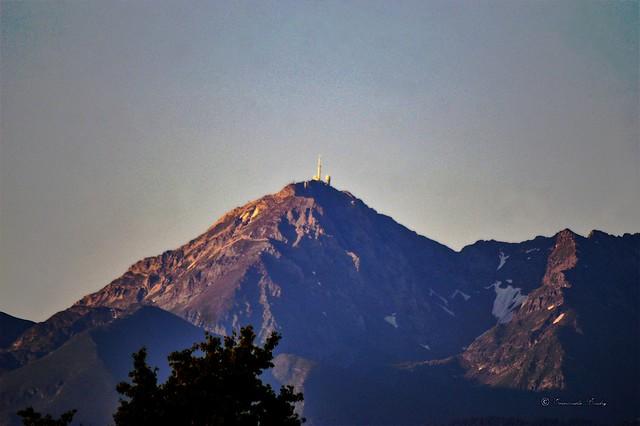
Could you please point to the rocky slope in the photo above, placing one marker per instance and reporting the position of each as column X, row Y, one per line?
column 315, row 263
column 575, row 328
column 526, row 352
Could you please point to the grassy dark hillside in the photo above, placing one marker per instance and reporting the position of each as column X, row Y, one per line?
column 83, row 372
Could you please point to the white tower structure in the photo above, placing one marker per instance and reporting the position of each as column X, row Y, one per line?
column 318, row 175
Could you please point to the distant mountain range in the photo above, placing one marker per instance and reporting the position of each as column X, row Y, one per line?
column 380, row 325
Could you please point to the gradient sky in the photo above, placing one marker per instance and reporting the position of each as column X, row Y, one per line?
column 127, row 128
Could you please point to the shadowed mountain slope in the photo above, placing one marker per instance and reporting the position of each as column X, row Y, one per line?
column 11, row 327
column 83, row 372
column 574, row 340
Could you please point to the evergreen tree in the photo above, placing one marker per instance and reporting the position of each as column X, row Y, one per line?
column 143, row 403
column 213, row 383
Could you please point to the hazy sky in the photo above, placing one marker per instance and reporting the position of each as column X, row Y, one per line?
column 127, row 128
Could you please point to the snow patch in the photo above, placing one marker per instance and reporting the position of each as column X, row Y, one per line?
column 532, row 250
column 506, row 301
column 450, row 312
column 433, row 293
column 503, row 259
column 509, row 281
column 391, row 319
column 427, row 347
column 461, row 293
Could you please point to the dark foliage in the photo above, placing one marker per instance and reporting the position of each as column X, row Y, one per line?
column 215, row 382
column 30, row 417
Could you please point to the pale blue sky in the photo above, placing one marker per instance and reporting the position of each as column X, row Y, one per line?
column 127, row 128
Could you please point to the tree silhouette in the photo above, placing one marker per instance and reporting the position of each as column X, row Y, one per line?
column 143, row 403
column 30, row 417
column 213, row 383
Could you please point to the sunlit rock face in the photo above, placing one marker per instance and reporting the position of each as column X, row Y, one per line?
column 585, row 306
column 525, row 351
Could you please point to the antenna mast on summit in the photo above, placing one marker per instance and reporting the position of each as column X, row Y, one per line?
column 318, row 175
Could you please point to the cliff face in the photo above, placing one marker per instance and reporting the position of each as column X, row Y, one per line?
column 526, row 352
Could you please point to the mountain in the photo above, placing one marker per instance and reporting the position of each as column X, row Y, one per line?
column 315, row 263
column 380, row 325
column 83, row 372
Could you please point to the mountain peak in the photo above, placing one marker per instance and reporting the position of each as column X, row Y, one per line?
column 566, row 233
column 318, row 190
column 305, row 207
column 309, row 240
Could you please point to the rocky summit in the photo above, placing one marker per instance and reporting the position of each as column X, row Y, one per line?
column 380, row 325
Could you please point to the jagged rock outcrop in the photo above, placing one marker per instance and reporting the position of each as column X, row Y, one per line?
column 563, row 321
